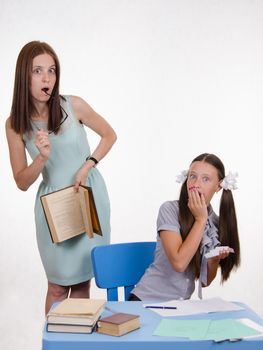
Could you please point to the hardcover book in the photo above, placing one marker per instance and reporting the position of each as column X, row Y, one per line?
column 84, row 320
column 78, row 307
column 75, row 315
column 69, row 213
column 69, row 328
column 118, row 324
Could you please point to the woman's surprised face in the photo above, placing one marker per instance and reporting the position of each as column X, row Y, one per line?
column 203, row 178
column 43, row 77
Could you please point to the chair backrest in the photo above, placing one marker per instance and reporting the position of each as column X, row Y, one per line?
column 121, row 265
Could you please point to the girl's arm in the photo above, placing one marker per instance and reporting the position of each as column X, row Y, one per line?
column 25, row 175
column 179, row 252
column 212, row 265
column 94, row 121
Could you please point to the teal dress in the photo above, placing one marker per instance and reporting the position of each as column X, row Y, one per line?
column 69, row 262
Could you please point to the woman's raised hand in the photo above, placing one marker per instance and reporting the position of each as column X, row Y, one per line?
column 43, row 144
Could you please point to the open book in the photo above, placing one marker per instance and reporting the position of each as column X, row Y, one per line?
column 70, row 213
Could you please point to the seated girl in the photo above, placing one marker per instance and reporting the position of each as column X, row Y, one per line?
column 187, row 230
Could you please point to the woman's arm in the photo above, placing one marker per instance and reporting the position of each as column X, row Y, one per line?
column 94, row 121
column 24, row 175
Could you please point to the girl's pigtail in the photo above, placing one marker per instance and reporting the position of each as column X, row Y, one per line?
column 228, row 233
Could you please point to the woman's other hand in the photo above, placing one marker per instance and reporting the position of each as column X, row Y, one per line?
column 43, row 144
column 82, row 174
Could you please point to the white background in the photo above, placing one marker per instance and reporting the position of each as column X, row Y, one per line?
column 175, row 79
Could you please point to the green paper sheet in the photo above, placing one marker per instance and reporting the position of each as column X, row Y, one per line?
column 220, row 330
column 182, row 328
column 217, row 330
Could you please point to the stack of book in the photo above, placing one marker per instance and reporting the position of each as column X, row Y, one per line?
column 75, row 315
column 118, row 324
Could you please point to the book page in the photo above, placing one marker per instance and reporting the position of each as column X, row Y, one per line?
column 94, row 214
column 64, row 207
column 83, row 194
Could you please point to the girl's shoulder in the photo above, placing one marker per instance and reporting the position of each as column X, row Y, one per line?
column 168, row 217
column 169, row 208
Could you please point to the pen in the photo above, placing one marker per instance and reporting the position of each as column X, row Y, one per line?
column 160, row 307
column 110, row 310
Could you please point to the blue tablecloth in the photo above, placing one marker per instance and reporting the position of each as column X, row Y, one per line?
column 142, row 339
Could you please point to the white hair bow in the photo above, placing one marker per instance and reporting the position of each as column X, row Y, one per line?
column 182, row 176
column 229, row 182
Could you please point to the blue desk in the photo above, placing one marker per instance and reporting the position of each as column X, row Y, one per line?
column 143, row 338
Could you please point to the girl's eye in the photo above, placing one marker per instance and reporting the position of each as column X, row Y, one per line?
column 192, row 176
column 53, row 70
column 37, row 71
column 205, row 179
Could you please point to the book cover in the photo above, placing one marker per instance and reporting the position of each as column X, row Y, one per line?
column 64, row 328
column 70, row 213
column 78, row 307
column 118, row 324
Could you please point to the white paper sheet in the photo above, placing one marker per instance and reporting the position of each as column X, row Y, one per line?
column 193, row 307
column 215, row 251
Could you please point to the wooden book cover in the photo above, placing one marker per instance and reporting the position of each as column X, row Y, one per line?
column 118, row 324
column 70, row 213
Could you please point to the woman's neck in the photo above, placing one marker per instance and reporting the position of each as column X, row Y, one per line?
column 41, row 112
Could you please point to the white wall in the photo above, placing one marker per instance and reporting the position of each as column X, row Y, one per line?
column 175, row 79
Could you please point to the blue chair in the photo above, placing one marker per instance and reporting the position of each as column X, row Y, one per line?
column 121, row 265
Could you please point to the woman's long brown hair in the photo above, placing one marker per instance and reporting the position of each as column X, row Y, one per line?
column 22, row 105
column 227, row 231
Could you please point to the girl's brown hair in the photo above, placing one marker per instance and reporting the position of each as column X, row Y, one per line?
column 22, row 105
column 228, row 231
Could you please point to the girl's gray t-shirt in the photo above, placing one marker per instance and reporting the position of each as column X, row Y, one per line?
column 161, row 281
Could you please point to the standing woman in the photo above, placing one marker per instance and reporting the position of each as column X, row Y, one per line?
column 51, row 128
